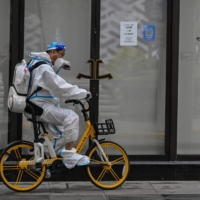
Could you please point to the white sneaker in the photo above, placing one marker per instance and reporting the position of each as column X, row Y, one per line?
column 71, row 158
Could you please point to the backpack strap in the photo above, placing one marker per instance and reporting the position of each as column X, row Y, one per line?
column 36, row 65
column 37, row 109
column 29, row 62
column 38, row 89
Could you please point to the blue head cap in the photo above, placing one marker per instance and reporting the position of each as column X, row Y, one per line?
column 55, row 45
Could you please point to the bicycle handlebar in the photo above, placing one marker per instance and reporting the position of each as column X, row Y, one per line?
column 76, row 101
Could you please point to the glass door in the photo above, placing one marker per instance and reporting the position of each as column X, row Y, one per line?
column 133, row 50
column 68, row 22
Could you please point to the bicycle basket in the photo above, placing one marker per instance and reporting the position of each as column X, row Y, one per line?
column 105, row 128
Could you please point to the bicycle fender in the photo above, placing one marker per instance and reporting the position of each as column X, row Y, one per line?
column 93, row 145
column 14, row 143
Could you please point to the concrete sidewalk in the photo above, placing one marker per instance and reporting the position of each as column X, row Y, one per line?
column 130, row 190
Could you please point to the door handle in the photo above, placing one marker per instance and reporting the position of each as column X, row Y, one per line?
column 94, row 71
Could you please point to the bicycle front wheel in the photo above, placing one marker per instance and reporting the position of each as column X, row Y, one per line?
column 14, row 177
column 108, row 176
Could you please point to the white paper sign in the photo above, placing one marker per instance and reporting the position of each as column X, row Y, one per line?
column 128, row 34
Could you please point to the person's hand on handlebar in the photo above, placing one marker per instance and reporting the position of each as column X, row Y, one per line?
column 88, row 96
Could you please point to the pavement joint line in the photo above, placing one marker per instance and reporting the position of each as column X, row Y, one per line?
column 49, row 186
column 106, row 196
column 155, row 189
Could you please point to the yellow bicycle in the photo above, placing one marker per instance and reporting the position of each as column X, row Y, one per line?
column 23, row 164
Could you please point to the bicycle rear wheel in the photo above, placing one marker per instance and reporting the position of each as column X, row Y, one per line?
column 103, row 175
column 14, row 177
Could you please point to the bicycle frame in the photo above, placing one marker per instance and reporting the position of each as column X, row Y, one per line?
column 89, row 133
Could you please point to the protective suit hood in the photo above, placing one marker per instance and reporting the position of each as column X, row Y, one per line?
column 41, row 56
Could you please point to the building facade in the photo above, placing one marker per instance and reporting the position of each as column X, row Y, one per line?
column 151, row 50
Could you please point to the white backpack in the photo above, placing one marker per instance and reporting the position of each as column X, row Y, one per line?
column 17, row 95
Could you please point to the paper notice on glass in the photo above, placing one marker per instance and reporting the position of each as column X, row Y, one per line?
column 128, row 33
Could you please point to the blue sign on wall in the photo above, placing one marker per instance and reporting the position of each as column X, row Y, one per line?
column 149, row 32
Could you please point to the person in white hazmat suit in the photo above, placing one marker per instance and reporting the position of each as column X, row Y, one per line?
column 62, row 123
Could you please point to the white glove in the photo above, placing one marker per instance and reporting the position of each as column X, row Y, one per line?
column 61, row 63
column 88, row 96
column 66, row 65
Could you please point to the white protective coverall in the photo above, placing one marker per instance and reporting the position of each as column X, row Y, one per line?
column 62, row 123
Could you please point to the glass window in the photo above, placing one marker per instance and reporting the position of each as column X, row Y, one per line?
column 189, row 79
column 67, row 22
column 4, row 69
column 135, row 97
